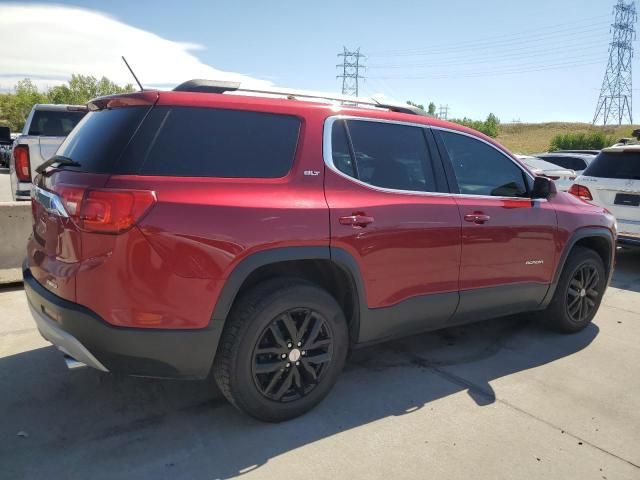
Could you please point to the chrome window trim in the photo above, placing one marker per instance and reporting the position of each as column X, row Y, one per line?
column 50, row 201
column 328, row 159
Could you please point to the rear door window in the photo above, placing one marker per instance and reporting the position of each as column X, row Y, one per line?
column 387, row 155
column 622, row 165
column 49, row 123
column 205, row 142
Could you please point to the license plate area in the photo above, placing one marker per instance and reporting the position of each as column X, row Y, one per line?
column 627, row 199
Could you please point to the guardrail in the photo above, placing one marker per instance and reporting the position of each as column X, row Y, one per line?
column 15, row 227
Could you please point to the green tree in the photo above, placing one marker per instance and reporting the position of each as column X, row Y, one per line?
column 82, row 88
column 15, row 106
column 432, row 109
column 490, row 127
column 580, row 141
column 419, row 105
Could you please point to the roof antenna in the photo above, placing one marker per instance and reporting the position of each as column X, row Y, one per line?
column 134, row 75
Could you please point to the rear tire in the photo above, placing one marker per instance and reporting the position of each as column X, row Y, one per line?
column 282, row 350
column 578, row 293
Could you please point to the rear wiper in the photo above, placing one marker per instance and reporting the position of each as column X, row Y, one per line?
column 57, row 159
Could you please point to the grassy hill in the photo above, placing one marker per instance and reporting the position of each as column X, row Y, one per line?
column 536, row 137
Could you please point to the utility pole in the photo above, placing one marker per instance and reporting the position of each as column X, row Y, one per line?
column 350, row 67
column 443, row 112
column 615, row 101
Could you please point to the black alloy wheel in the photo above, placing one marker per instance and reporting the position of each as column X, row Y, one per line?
column 292, row 355
column 583, row 293
column 283, row 347
column 579, row 292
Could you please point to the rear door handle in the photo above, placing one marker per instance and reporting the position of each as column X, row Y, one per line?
column 478, row 218
column 356, row 220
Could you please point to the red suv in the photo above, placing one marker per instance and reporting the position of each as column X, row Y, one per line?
column 259, row 238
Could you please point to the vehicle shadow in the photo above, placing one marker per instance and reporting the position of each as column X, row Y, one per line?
column 627, row 272
column 93, row 425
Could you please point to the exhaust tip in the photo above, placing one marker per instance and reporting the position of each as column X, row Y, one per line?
column 72, row 363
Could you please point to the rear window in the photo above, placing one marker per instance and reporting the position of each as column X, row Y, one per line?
column 624, row 165
column 572, row 163
column 205, row 142
column 100, row 138
column 50, row 123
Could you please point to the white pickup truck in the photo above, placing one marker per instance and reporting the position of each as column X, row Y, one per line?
column 46, row 128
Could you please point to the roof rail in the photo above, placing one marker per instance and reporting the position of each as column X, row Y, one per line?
column 216, row 86
column 207, row 86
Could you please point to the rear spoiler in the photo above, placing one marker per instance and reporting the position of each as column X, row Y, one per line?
column 144, row 98
column 77, row 108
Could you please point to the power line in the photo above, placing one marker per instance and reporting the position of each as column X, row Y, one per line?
column 519, row 34
column 512, row 39
column 350, row 71
column 493, row 72
column 506, row 57
column 615, row 100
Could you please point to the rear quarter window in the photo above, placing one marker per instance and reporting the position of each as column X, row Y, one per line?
column 205, row 142
column 100, row 138
column 621, row 165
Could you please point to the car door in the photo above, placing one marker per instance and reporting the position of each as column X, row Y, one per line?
column 391, row 214
column 508, row 239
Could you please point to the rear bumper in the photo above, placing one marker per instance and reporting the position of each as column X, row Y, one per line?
column 629, row 239
column 80, row 333
column 629, row 232
column 23, row 192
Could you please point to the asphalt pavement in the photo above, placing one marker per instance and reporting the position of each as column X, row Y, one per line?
column 498, row 399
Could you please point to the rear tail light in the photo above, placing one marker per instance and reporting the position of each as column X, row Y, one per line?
column 105, row 210
column 580, row 191
column 22, row 163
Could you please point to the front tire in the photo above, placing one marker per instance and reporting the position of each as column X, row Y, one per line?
column 578, row 293
column 283, row 348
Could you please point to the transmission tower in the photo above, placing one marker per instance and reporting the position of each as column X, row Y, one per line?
column 351, row 66
column 443, row 114
column 614, row 103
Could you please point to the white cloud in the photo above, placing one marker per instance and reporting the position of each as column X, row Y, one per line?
column 49, row 43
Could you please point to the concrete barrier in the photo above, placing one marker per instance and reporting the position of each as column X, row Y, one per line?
column 15, row 227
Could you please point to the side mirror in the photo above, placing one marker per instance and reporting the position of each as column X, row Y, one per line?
column 543, row 187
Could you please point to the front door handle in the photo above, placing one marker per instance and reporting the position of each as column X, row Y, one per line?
column 356, row 220
column 477, row 217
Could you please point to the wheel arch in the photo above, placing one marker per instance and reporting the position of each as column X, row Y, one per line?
column 600, row 240
column 332, row 269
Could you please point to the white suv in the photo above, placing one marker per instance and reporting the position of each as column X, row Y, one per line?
column 612, row 181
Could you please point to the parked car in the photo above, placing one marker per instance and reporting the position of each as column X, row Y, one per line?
column 612, row 181
column 45, row 129
column 5, row 146
column 572, row 161
column 175, row 233
column 562, row 177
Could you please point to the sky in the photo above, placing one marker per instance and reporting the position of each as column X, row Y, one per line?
column 524, row 61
